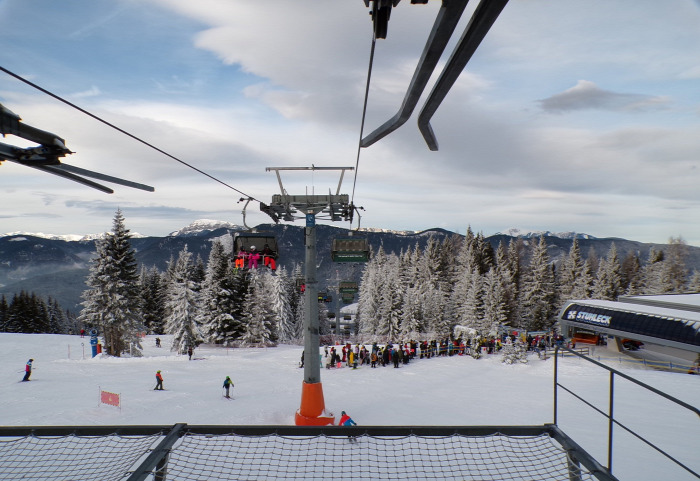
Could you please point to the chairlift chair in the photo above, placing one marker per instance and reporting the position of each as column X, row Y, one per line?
column 350, row 249
column 262, row 243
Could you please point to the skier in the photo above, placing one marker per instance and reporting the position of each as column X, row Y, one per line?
column 159, row 382
column 228, row 384
column 189, row 352
column 301, row 364
column 346, row 420
column 157, row 341
column 28, row 370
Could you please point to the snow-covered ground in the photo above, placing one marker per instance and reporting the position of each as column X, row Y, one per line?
column 439, row 391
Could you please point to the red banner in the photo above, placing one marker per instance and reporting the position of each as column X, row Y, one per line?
column 109, row 398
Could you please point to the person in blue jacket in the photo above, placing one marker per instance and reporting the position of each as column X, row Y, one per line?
column 346, row 420
column 28, row 370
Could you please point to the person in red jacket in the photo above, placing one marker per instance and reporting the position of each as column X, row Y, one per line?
column 159, row 382
column 28, row 370
column 346, row 420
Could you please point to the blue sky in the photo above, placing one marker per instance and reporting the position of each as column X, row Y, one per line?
column 571, row 115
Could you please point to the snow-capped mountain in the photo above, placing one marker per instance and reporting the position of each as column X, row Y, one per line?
column 17, row 236
column 528, row 234
column 204, row 226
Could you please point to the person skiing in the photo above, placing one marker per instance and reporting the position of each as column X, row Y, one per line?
column 189, row 352
column 28, row 370
column 159, row 382
column 157, row 341
column 228, row 384
column 346, row 420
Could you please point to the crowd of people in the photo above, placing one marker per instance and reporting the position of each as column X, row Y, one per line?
column 400, row 353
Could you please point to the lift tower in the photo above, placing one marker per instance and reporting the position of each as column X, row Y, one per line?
column 334, row 207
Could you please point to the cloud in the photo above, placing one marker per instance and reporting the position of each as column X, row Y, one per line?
column 92, row 92
column 586, row 95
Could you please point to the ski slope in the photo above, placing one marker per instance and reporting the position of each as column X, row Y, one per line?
column 458, row 390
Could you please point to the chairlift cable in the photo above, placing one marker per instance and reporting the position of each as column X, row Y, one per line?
column 138, row 139
column 364, row 113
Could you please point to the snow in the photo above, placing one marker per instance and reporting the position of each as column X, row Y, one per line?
column 62, row 237
column 201, row 225
column 454, row 390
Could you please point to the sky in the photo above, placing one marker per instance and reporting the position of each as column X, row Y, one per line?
column 443, row 391
column 571, row 116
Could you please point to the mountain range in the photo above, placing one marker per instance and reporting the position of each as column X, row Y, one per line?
column 57, row 266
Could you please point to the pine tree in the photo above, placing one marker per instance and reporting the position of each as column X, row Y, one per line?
column 56, row 317
column 607, row 283
column 283, row 295
column 570, row 272
column 3, row 313
column 539, row 290
column 258, row 316
column 514, row 352
column 218, row 300
column 631, row 275
column 181, row 304
column 494, row 307
column 112, row 301
column 369, row 294
column 675, row 272
column 652, row 273
column 153, row 296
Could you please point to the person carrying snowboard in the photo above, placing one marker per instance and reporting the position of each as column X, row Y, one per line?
column 228, row 384
column 159, row 382
column 28, row 370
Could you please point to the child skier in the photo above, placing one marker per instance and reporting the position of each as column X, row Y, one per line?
column 159, row 382
column 346, row 420
column 28, row 370
column 228, row 384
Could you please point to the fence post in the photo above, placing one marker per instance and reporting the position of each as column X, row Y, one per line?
column 556, row 381
column 611, row 422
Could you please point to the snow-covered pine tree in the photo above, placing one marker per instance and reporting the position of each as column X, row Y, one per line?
column 675, row 271
column 631, row 274
column 507, row 280
column 258, row 317
column 494, row 305
column 607, row 282
column 413, row 323
column 653, row 278
column 57, row 318
column 4, row 307
column 370, row 293
column 217, row 303
column 583, row 286
column 111, row 300
column 152, row 286
column 182, row 305
column 569, row 272
column 538, row 290
column 282, row 299
column 694, row 282
column 514, row 352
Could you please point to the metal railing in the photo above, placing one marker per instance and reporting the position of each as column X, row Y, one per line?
column 612, row 422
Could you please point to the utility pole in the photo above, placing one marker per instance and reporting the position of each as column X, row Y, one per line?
column 312, row 411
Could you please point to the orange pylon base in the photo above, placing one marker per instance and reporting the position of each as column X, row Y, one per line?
column 313, row 409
